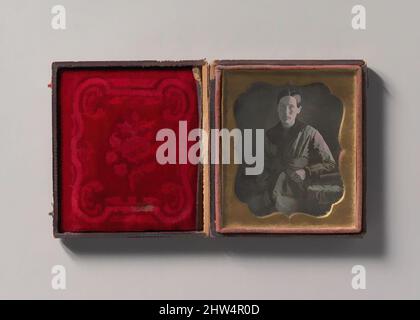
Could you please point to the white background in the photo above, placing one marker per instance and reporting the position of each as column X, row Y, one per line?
column 254, row 268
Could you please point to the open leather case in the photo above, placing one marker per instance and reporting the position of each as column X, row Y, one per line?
column 111, row 120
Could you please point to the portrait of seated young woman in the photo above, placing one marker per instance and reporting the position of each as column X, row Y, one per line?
column 301, row 149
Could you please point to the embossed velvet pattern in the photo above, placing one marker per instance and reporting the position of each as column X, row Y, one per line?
column 110, row 179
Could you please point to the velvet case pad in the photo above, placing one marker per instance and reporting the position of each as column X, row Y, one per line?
column 107, row 179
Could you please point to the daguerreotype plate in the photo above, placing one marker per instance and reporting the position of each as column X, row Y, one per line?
column 299, row 167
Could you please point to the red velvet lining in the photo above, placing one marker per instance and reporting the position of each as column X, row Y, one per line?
column 110, row 179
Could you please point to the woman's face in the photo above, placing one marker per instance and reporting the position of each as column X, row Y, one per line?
column 288, row 110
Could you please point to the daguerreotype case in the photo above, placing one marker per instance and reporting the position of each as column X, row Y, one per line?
column 165, row 148
column 309, row 115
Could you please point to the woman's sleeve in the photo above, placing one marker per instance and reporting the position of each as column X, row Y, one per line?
column 321, row 151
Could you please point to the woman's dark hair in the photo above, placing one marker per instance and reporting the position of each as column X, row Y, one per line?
column 290, row 92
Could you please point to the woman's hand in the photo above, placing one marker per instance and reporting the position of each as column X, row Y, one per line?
column 299, row 175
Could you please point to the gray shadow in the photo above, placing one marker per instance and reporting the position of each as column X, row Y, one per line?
column 372, row 244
